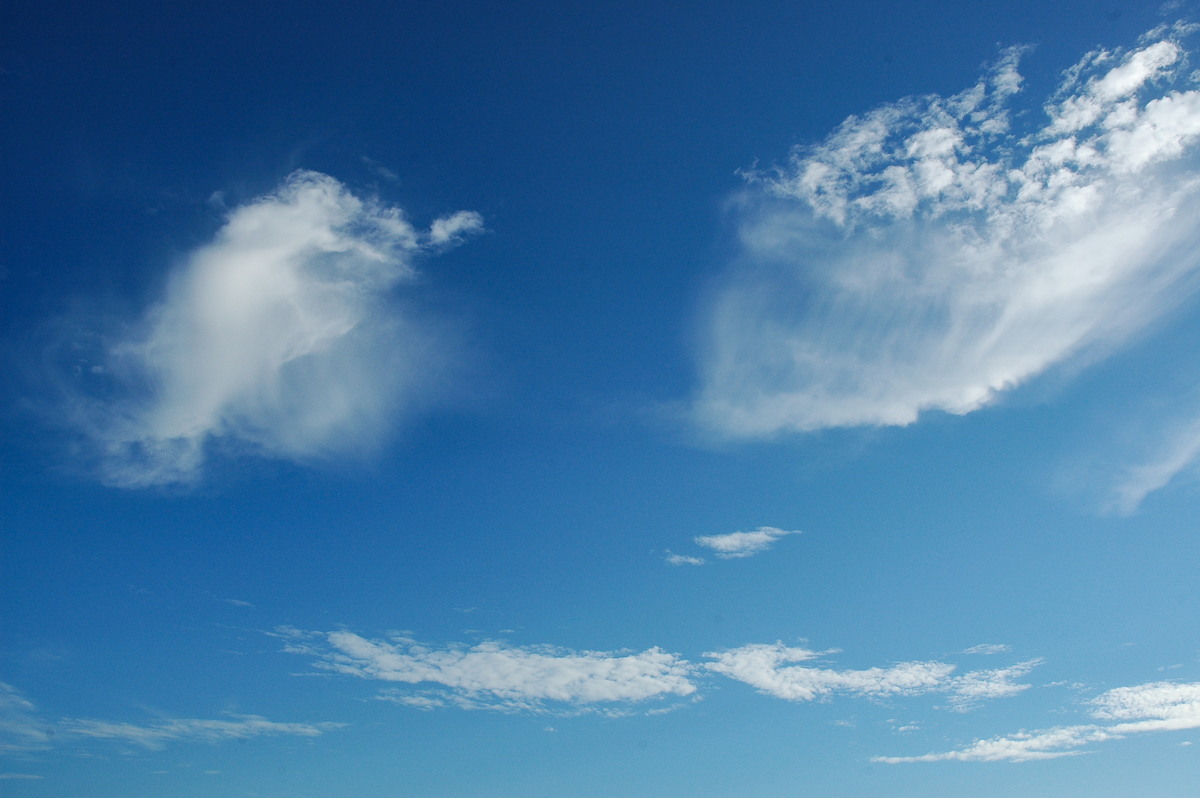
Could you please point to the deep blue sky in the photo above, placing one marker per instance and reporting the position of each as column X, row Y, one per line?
column 422, row 398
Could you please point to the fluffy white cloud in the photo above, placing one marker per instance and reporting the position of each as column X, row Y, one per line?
column 278, row 337
column 742, row 544
column 770, row 668
column 928, row 256
column 1158, row 706
column 682, row 559
column 495, row 675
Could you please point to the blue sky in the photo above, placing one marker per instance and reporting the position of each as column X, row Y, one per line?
column 568, row 399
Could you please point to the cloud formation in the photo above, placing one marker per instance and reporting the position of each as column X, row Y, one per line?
column 278, row 337
column 23, row 729
column 157, row 733
column 742, row 544
column 495, row 675
column 1157, row 706
column 548, row 679
column 928, row 255
column 770, row 669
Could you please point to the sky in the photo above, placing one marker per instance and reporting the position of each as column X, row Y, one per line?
column 539, row 399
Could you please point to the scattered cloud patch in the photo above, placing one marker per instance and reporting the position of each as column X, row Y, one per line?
column 972, row 689
column 23, row 729
column 742, row 544
column 156, row 734
column 281, row 337
column 1176, row 454
column 682, row 559
column 20, row 776
column 495, row 675
column 769, row 669
column 1153, row 707
column 548, row 679
column 772, row 669
column 988, row 648
column 929, row 255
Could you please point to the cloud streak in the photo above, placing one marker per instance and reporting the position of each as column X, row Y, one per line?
column 23, row 729
column 736, row 545
column 495, row 675
column 929, row 256
column 280, row 337
column 1153, row 707
column 772, row 669
column 549, row 679
column 156, row 734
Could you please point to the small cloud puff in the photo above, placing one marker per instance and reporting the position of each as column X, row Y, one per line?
column 743, row 544
column 682, row 559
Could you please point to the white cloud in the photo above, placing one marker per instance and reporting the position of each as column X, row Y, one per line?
column 155, row 734
column 763, row 666
column 280, row 337
column 770, row 668
column 988, row 648
column 1157, row 706
column 742, row 544
column 23, row 729
column 682, row 559
column 494, row 675
column 20, row 727
column 971, row 689
column 926, row 256
column 1175, row 454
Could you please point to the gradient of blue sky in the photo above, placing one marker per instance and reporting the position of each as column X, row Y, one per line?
column 569, row 399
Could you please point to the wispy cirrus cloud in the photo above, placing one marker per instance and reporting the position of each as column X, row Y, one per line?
column 21, row 728
column 24, row 729
column 495, row 675
column 155, row 734
column 1152, row 707
column 1175, row 453
column 931, row 254
column 549, row 679
column 279, row 337
column 773, row 669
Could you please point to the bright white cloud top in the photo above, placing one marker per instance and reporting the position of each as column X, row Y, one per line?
column 937, row 251
column 276, row 336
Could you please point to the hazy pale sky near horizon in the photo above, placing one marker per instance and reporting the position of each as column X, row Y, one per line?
column 671, row 399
